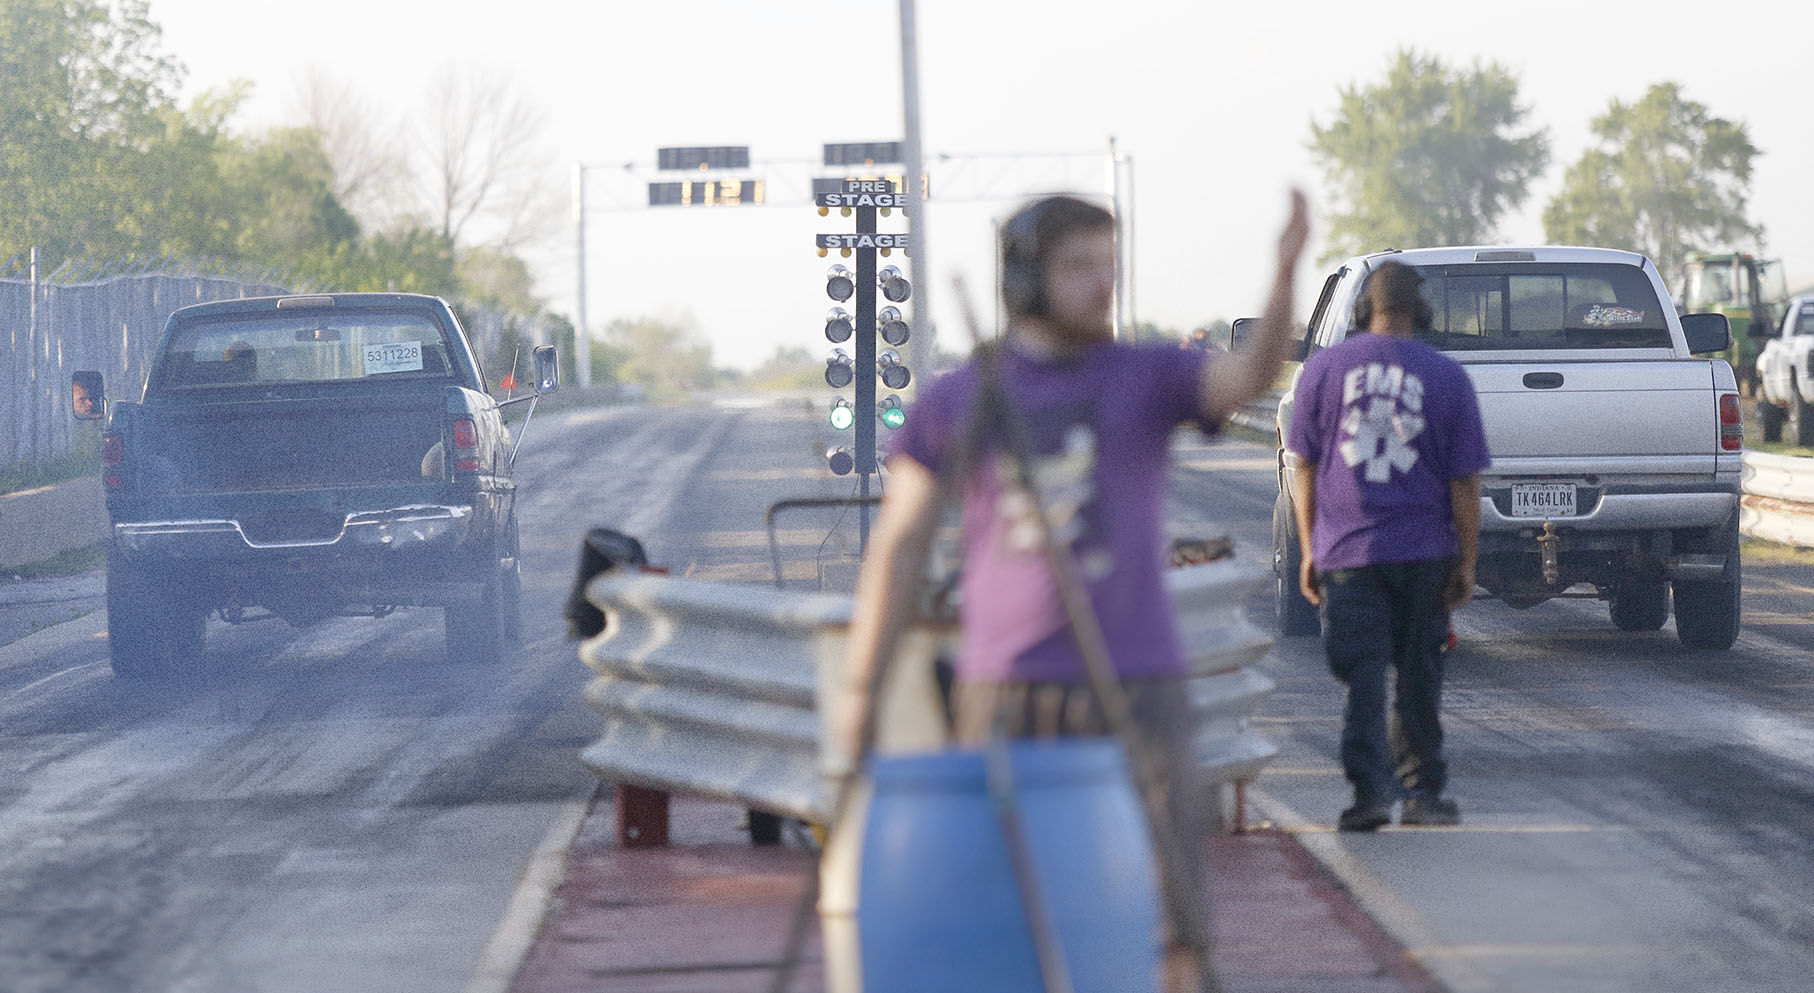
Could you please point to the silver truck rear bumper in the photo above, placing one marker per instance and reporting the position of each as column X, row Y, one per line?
column 1625, row 512
column 419, row 526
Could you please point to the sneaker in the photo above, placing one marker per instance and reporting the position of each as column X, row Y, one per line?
column 1364, row 817
column 1432, row 811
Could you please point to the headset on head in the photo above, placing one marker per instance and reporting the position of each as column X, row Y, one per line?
column 1422, row 317
column 1022, row 279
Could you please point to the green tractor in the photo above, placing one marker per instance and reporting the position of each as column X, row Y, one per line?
column 1751, row 293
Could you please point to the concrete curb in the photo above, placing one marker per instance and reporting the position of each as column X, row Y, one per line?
column 531, row 903
column 1376, row 899
column 42, row 523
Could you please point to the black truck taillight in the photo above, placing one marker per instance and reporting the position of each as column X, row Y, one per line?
column 465, row 445
column 113, row 456
column 1732, row 429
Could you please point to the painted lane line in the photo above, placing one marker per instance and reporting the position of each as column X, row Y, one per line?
column 1391, row 911
column 530, row 903
column 55, row 675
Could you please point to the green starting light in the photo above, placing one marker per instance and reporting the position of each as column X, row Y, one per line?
column 842, row 417
column 892, row 413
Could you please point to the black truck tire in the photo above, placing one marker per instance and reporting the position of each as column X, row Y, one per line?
column 510, row 588
column 1296, row 616
column 1769, row 419
column 488, row 625
column 477, row 627
column 1640, row 604
column 151, row 635
column 472, row 625
column 1707, row 611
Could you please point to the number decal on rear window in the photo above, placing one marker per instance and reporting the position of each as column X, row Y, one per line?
column 402, row 356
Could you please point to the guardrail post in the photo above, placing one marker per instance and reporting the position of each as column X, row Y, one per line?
column 642, row 817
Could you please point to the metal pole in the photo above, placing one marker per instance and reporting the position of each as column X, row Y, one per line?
column 924, row 343
column 31, row 366
column 1120, row 240
column 865, row 379
column 1133, row 315
column 582, row 338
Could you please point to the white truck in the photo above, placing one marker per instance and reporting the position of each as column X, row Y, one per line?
column 1785, row 376
column 1617, row 451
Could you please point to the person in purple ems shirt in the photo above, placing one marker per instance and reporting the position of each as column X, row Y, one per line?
column 1098, row 416
column 1387, row 499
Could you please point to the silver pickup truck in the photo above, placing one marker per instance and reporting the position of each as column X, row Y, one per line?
column 1616, row 450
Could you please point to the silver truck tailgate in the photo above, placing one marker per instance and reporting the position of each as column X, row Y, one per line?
column 1564, row 410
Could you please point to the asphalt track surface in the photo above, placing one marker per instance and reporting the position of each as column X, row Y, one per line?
column 339, row 808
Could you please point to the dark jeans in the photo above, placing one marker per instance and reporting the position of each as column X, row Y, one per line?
column 1379, row 618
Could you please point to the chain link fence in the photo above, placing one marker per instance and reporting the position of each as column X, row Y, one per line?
column 91, row 315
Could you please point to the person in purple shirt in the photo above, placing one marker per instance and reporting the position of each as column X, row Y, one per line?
column 1387, row 498
column 1098, row 416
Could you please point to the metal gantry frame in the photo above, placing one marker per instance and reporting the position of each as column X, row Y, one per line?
column 978, row 177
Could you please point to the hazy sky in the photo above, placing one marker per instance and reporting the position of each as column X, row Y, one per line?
column 1212, row 102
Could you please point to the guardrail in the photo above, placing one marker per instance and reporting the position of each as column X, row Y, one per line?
column 1778, row 504
column 717, row 690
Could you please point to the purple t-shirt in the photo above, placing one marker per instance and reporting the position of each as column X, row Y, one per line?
column 1101, row 426
column 1389, row 423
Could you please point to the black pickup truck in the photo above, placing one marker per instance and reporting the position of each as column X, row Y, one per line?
column 308, row 457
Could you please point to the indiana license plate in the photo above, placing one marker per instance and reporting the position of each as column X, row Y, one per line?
column 1543, row 500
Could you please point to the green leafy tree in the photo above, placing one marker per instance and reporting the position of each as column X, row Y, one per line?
column 413, row 260
column 1667, row 178
column 83, row 95
column 793, row 367
column 1429, row 156
column 667, row 360
column 283, row 186
column 98, row 160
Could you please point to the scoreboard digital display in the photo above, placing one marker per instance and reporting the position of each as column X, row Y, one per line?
column 703, row 157
column 706, row 192
column 863, row 153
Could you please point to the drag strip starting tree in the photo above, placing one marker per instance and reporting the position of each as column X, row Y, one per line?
column 859, row 329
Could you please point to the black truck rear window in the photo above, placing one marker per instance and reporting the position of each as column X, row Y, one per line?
column 318, row 346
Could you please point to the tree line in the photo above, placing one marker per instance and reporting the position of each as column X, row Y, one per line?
column 98, row 160
column 1435, row 154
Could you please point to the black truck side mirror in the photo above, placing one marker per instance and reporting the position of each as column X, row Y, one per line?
column 87, row 396
column 1240, row 331
column 547, row 369
column 1706, row 333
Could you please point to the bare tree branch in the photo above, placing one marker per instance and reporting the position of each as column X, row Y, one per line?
column 483, row 161
column 371, row 167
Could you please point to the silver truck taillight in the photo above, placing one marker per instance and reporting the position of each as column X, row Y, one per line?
column 1732, row 430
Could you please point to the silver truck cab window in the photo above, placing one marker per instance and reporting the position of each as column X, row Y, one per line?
column 1543, row 306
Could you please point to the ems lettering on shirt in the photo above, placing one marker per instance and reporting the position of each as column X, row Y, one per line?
column 1382, row 415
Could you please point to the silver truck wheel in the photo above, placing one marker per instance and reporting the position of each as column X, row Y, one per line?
column 1640, row 604
column 1295, row 614
column 151, row 636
